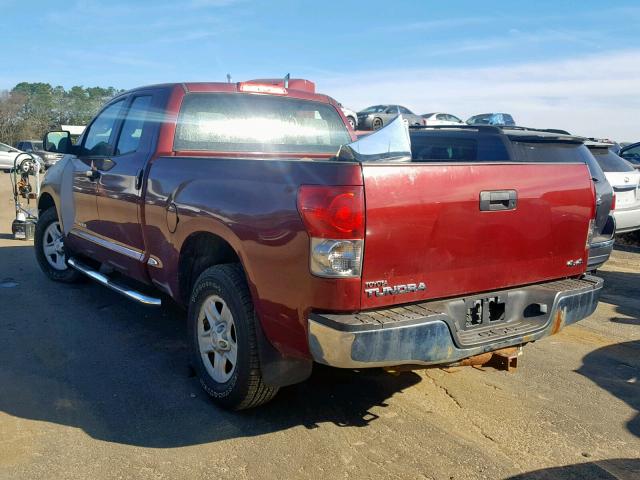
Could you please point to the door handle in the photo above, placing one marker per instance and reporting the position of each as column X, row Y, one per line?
column 496, row 200
column 92, row 174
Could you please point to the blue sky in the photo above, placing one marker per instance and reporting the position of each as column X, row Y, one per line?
column 568, row 64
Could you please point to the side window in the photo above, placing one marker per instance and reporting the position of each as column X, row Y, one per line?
column 98, row 136
column 453, row 118
column 632, row 153
column 133, row 125
column 406, row 111
column 393, row 109
column 4, row 148
column 442, row 116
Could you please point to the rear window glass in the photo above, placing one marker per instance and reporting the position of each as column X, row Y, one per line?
column 452, row 148
column 610, row 162
column 258, row 123
column 551, row 152
column 557, row 153
column 508, row 119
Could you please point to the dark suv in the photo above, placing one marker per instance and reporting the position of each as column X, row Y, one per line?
column 516, row 144
column 491, row 119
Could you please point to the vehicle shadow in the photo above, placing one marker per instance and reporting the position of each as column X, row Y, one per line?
column 616, row 369
column 82, row 356
column 611, row 469
column 622, row 289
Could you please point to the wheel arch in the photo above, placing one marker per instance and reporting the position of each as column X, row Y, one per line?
column 45, row 202
column 277, row 370
column 200, row 250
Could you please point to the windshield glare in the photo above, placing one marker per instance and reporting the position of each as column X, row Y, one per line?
column 253, row 123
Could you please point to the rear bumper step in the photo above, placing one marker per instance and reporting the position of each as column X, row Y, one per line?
column 438, row 332
column 115, row 286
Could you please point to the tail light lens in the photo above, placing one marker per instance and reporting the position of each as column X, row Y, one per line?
column 334, row 219
column 613, row 201
column 592, row 231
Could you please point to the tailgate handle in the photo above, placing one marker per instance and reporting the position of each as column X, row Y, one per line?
column 495, row 200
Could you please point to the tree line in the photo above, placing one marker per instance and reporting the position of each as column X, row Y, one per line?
column 29, row 110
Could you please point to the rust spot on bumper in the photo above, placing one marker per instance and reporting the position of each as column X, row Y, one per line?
column 558, row 321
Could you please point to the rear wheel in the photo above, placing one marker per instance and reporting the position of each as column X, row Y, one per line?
column 352, row 122
column 377, row 123
column 50, row 251
column 222, row 327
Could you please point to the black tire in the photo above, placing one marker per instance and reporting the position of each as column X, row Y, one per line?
column 377, row 123
column 352, row 122
column 65, row 275
column 245, row 387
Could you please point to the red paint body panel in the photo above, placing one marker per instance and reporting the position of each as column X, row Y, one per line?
column 252, row 204
column 424, row 224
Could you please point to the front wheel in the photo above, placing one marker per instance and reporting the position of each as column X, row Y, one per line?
column 49, row 247
column 352, row 122
column 377, row 123
column 222, row 329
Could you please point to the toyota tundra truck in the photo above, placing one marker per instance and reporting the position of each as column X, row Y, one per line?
column 289, row 241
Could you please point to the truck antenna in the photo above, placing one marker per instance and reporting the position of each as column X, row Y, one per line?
column 228, row 78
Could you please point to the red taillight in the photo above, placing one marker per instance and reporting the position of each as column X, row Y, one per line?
column 332, row 211
column 613, row 201
column 424, row 121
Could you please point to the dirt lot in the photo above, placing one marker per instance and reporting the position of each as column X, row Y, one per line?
column 93, row 386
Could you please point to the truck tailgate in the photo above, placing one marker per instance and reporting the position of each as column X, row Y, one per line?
column 424, row 224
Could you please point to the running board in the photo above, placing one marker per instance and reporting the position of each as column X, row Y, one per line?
column 107, row 282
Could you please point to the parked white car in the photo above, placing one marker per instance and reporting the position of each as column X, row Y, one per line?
column 352, row 116
column 625, row 181
column 439, row 118
column 8, row 154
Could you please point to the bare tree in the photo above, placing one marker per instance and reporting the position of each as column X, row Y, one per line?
column 12, row 124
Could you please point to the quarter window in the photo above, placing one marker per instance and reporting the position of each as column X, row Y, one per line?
column 97, row 141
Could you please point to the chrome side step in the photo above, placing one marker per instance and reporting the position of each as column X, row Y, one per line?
column 107, row 282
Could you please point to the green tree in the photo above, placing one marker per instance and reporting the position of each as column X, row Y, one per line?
column 30, row 109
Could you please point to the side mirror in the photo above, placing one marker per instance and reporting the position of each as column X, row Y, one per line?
column 57, row 142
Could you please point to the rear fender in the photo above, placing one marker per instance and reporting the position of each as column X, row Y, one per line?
column 278, row 370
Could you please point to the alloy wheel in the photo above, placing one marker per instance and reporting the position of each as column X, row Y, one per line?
column 53, row 246
column 217, row 339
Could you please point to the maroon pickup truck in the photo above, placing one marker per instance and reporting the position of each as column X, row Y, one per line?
column 289, row 241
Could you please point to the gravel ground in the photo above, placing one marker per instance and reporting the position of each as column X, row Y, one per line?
column 93, row 386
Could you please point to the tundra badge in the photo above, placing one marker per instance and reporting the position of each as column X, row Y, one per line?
column 380, row 288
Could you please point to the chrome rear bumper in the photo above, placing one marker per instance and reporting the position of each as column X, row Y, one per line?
column 599, row 253
column 434, row 333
